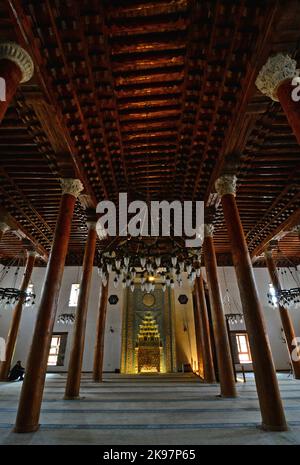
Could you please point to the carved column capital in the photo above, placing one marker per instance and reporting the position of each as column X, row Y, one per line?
column 226, row 184
column 208, row 230
column 268, row 253
column 13, row 52
column 4, row 227
column 91, row 224
column 296, row 229
column 71, row 186
column 277, row 69
column 32, row 253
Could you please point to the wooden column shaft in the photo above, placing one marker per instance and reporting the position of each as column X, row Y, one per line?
column 290, row 108
column 75, row 364
column 264, row 370
column 12, row 75
column 198, row 334
column 99, row 346
column 227, row 381
column 286, row 321
column 208, row 363
column 33, row 385
column 15, row 322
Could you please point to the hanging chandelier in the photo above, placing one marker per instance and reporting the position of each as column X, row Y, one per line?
column 143, row 259
column 66, row 318
column 233, row 316
column 11, row 296
column 289, row 298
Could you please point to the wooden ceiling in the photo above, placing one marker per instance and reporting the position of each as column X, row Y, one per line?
column 150, row 98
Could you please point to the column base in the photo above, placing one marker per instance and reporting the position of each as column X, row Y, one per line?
column 273, row 428
column 26, row 429
column 224, row 396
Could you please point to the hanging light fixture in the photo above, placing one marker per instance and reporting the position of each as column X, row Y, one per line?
column 100, row 272
column 149, row 267
column 174, row 260
column 289, row 298
column 139, row 254
column 188, row 268
column 133, row 272
column 109, row 267
column 11, row 295
column 66, row 318
column 158, row 261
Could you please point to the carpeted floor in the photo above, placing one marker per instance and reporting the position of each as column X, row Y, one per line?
column 149, row 409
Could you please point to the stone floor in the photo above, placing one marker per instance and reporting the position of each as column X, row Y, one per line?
column 149, row 409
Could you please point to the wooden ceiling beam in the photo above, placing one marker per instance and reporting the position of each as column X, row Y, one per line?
column 26, row 36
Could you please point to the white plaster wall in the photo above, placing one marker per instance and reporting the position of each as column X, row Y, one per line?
column 185, row 340
column 271, row 315
column 186, row 350
column 71, row 275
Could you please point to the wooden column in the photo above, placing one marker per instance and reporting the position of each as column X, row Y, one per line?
column 208, row 362
column 227, row 381
column 273, row 417
column 99, row 346
column 75, row 364
column 275, row 80
column 3, row 228
column 16, row 67
column 36, row 367
column 198, row 333
column 286, row 321
column 16, row 318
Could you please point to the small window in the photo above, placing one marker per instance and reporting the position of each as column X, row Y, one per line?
column 29, row 290
column 272, row 294
column 243, row 348
column 74, row 295
column 57, row 349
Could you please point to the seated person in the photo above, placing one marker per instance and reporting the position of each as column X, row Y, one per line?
column 17, row 372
